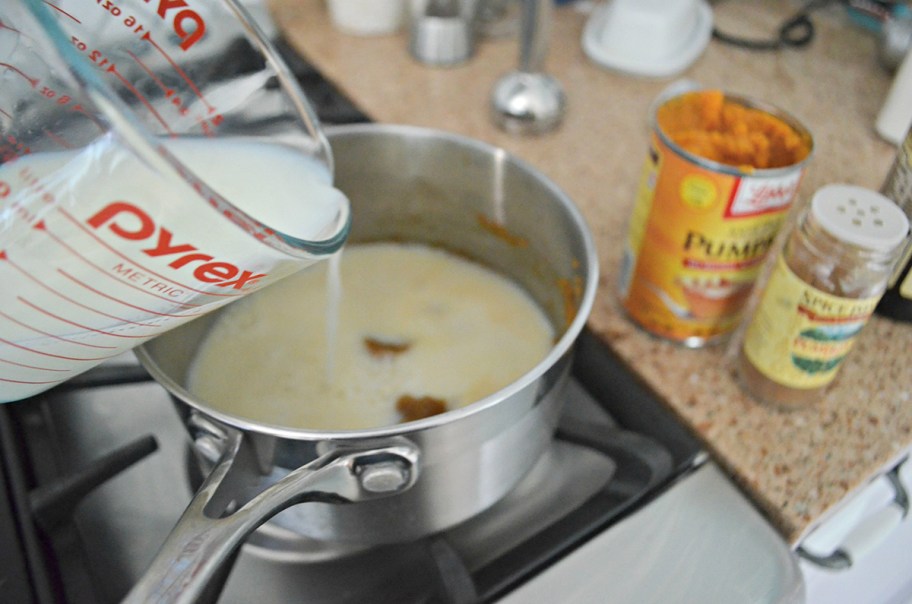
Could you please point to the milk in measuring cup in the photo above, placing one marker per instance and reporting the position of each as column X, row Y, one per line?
column 99, row 253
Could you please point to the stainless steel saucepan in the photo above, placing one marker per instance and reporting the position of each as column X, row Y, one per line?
column 399, row 482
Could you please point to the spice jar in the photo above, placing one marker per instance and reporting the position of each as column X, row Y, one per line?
column 824, row 287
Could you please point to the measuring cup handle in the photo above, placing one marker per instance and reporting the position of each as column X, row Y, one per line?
column 200, row 546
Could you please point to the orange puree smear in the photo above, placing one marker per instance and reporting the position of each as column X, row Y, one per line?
column 708, row 125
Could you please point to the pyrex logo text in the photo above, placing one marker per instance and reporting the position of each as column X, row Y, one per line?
column 130, row 222
column 179, row 21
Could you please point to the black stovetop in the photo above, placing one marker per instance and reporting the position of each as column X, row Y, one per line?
column 96, row 474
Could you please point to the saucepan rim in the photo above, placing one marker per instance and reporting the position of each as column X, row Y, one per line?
column 588, row 266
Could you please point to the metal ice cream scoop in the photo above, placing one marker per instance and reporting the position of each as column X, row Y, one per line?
column 527, row 100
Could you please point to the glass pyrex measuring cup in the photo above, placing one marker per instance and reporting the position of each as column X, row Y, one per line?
column 157, row 161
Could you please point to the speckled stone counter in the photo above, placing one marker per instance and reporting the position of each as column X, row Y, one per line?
column 796, row 466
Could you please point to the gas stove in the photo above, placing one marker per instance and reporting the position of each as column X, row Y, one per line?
column 99, row 470
column 95, row 474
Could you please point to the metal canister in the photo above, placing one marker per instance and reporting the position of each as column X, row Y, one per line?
column 701, row 229
column 897, row 301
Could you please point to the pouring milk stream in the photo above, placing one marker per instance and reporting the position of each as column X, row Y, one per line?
column 107, row 243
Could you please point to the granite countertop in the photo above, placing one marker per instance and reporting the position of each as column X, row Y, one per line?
column 796, row 466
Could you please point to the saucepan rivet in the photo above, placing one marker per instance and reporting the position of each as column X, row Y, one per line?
column 383, row 476
column 209, row 446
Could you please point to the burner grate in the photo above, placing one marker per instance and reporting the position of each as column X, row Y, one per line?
column 74, row 442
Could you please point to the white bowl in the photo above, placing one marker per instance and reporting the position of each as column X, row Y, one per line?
column 367, row 17
column 655, row 38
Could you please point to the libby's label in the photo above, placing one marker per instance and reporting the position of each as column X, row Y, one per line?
column 754, row 196
column 800, row 335
column 696, row 243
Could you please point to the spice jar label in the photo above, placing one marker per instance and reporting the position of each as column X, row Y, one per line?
column 905, row 290
column 815, row 329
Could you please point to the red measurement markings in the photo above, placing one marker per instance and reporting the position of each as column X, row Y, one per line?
column 16, row 147
column 170, row 93
column 52, row 355
column 62, row 12
column 57, row 317
column 83, row 111
column 33, row 382
column 151, row 73
column 35, row 367
column 164, row 279
column 103, row 271
column 41, row 226
column 3, row 25
column 124, row 302
column 58, row 139
column 33, row 279
column 148, row 38
column 142, row 98
column 52, row 336
column 13, row 68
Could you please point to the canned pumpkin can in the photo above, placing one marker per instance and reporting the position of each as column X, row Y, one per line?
column 721, row 174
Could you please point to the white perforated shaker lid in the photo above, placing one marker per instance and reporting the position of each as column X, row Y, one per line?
column 860, row 216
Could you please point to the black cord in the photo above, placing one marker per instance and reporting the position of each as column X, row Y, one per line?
column 796, row 32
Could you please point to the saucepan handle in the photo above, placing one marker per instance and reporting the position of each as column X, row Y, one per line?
column 200, row 545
